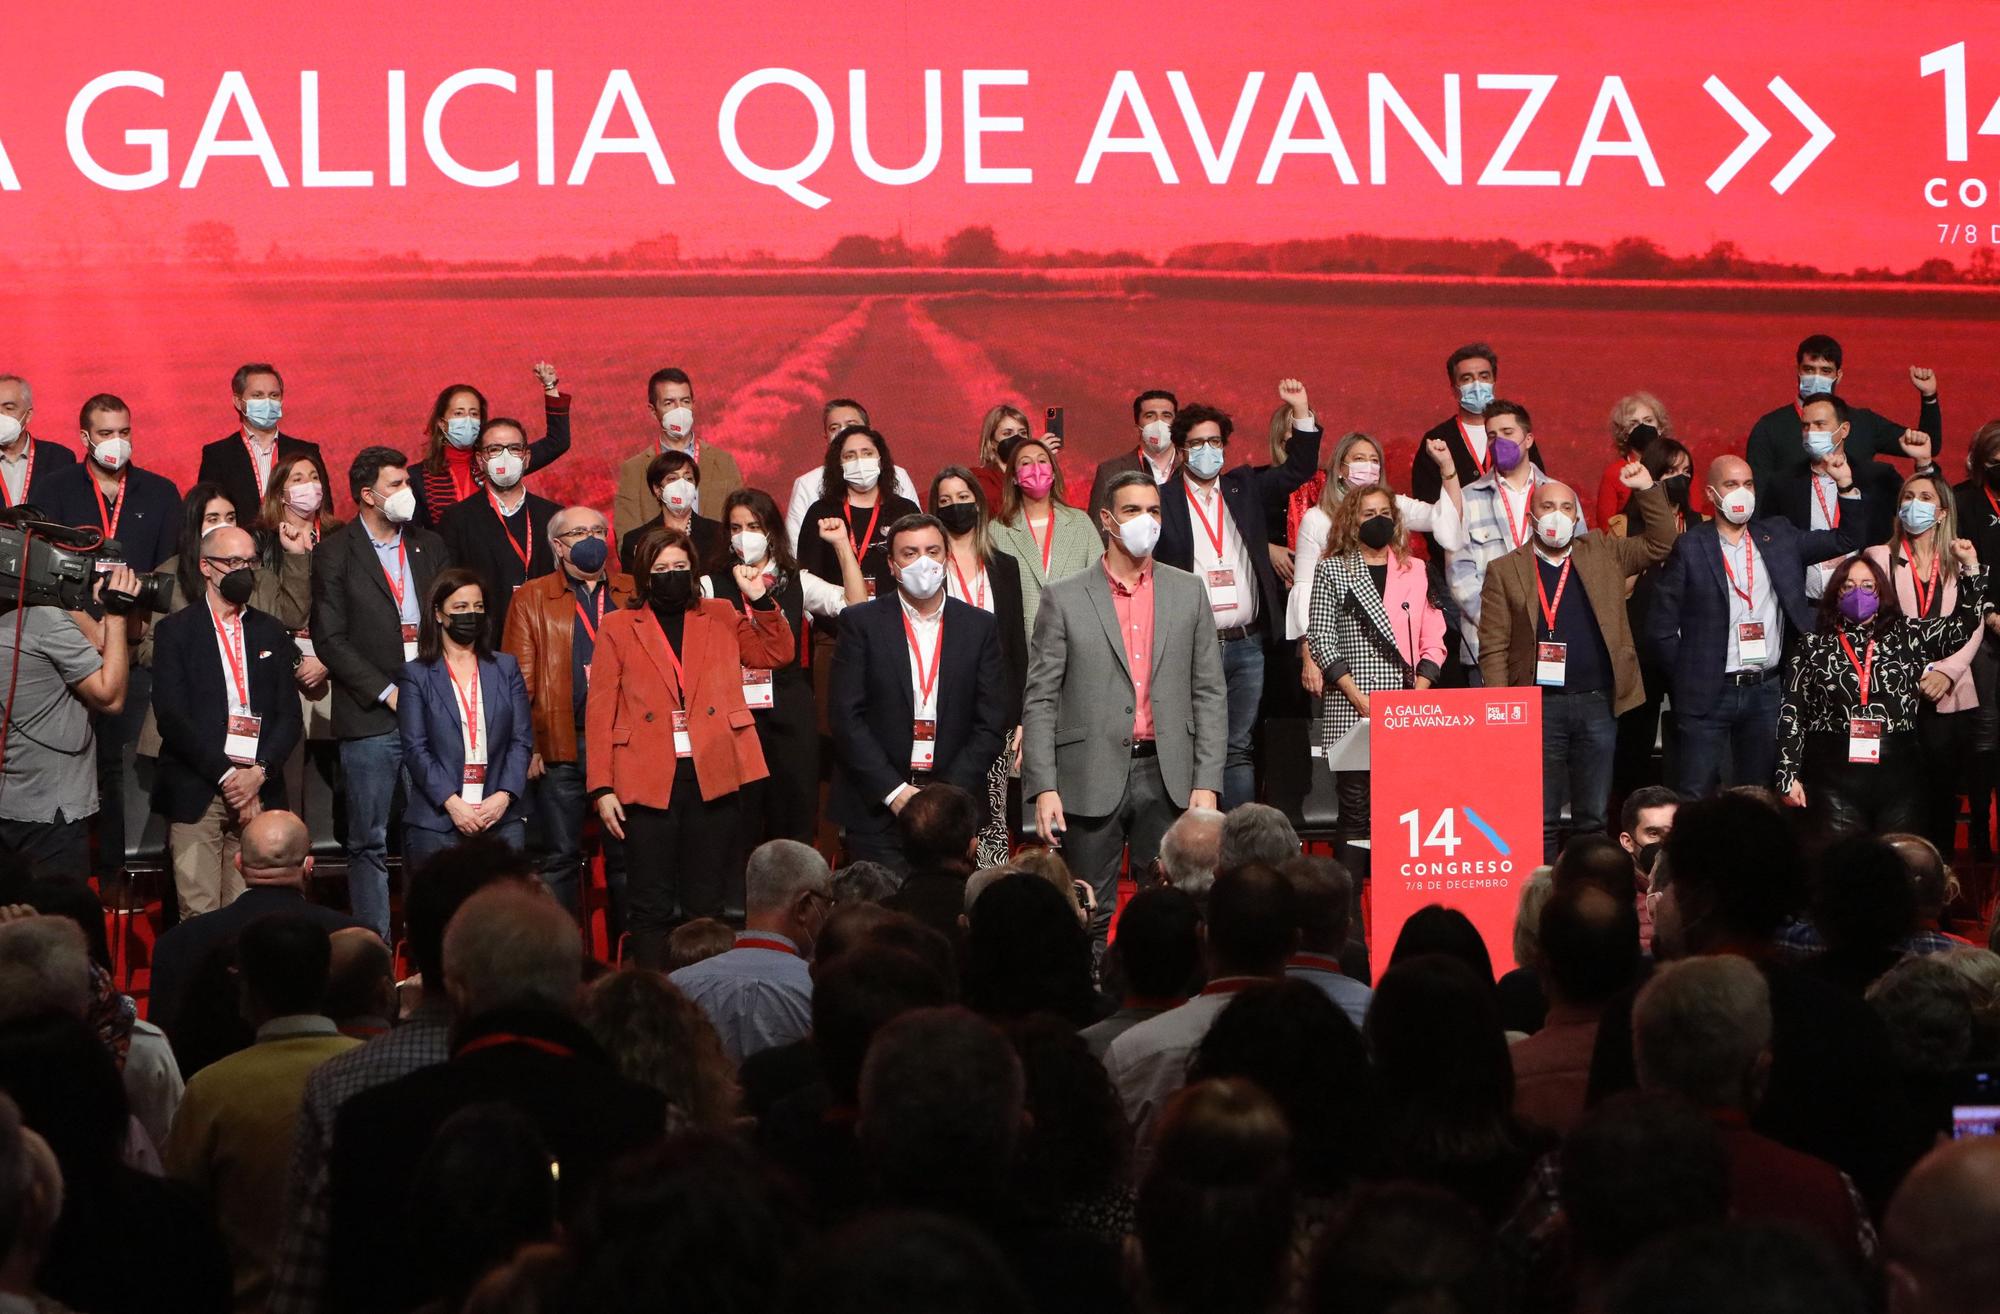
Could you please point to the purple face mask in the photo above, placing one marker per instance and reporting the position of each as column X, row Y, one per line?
column 1507, row 455
column 1859, row 605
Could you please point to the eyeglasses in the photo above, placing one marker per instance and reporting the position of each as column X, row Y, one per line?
column 232, row 563
column 509, row 449
column 1194, row 443
column 577, row 535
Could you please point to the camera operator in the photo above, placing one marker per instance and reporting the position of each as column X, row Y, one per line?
column 61, row 666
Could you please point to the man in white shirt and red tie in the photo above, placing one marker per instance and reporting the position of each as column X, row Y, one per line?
column 23, row 457
column 229, row 716
column 1212, row 523
column 916, row 696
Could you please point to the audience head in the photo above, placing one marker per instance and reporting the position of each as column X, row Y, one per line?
column 905, row 1263
column 1930, row 1010
column 1732, row 871
column 1436, row 929
column 1158, row 947
column 1441, row 1059
column 1647, row 817
column 282, row 963
column 942, row 1101
column 44, row 968
column 1215, row 1205
column 1259, row 833
column 481, row 1190
column 1300, row 1049
column 1535, row 892
column 1701, row 1029
column 692, row 941
column 1941, row 1235
column 1734, row 1268
column 788, row 888
column 1930, row 875
column 275, row 850
column 855, row 995
column 1402, row 1248
column 1253, row 921
column 1191, row 852
column 1074, row 1147
column 360, row 977
column 656, row 1036
column 1864, row 901
column 939, row 826
column 1325, row 893
column 1589, row 945
column 31, row 1198
column 863, row 882
column 1639, row 1166
column 69, row 1089
column 1596, row 860
column 440, row 886
column 511, row 947
column 1048, row 865
column 1025, row 952
column 1981, row 970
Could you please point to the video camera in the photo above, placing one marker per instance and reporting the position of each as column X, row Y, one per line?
column 43, row 564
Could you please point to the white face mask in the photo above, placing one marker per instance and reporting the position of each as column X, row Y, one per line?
column 305, row 498
column 680, row 496
column 400, row 506
column 1555, row 529
column 1140, row 535
column 504, row 470
column 922, row 578
column 1157, row 436
column 1736, row 505
column 678, row 422
column 750, row 546
column 112, row 453
column 10, row 429
column 863, row 474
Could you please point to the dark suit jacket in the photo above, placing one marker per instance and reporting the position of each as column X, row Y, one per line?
column 227, row 462
column 356, row 627
column 191, row 702
column 186, row 946
column 872, row 706
column 49, row 458
column 475, row 538
column 1107, row 470
column 1790, row 495
column 586, row 1113
column 1246, row 491
column 1774, row 447
column 711, row 544
column 434, row 488
column 1425, row 481
column 149, row 525
column 1004, row 575
column 429, row 715
column 1688, row 623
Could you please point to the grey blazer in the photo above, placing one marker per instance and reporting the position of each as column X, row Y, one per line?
column 1076, row 716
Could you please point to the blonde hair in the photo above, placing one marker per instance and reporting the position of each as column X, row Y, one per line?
column 1345, row 535
column 1621, row 417
column 1942, row 532
column 1010, row 495
column 1336, row 489
column 989, row 446
column 1281, row 432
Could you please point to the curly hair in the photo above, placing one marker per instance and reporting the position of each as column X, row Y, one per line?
column 658, row 1037
column 1345, row 533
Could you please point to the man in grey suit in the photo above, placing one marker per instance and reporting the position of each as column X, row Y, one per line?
column 1126, row 716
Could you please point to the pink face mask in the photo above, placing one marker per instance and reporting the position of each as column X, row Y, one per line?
column 1036, row 480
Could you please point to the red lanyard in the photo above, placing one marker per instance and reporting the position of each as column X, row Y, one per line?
column 1229, row 985
column 1520, row 535
column 28, row 476
column 965, row 590
column 926, row 684
column 232, row 647
column 468, row 701
column 1214, row 531
column 396, row 581
column 500, row 1038
column 1924, row 591
column 1562, row 582
column 602, row 594
column 759, row 942
column 847, row 513
column 525, row 548
column 263, row 475
column 1992, row 501
column 1832, row 517
column 1749, row 585
column 1048, row 545
column 1486, row 461
column 105, row 515
column 1862, row 668
column 680, row 675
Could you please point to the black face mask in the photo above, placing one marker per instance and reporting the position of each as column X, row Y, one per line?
column 1640, row 438
column 959, row 517
column 237, row 586
column 670, row 589
column 1993, row 476
column 1377, row 532
column 1676, row 487
column 465, row 627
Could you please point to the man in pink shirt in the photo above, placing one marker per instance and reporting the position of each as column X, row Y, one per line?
column 1589, row 955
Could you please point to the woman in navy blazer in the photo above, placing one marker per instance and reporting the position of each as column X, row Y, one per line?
column 463, row 781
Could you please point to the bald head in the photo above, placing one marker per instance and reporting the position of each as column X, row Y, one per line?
column 575, row 517
column 276, row 850
column 360, row 977
column 1942, row 1231
column 511, row 946
column 228, row 541
column 1555, row 496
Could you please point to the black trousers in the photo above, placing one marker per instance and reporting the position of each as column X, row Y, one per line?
column 56, row 850
column 1876, row 798
column 681, row 862
column 1944, row 741
column 786, row 805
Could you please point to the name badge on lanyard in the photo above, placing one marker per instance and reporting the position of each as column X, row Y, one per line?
column 409, row 643
column 1551, row 664
column 1864, row 740
column 473, row 787
column 757, row 694
column 923, row 745
column 1751, row 645
column 1222, row 590
column 683, row 746
column 239, row 740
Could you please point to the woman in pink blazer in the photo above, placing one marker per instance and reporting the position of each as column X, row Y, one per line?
column 1916, row 558
column 1373, row 627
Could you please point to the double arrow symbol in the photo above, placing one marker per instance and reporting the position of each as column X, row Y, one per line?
column 1755, row 134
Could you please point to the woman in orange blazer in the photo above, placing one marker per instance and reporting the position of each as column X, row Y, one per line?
column 666, row 697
